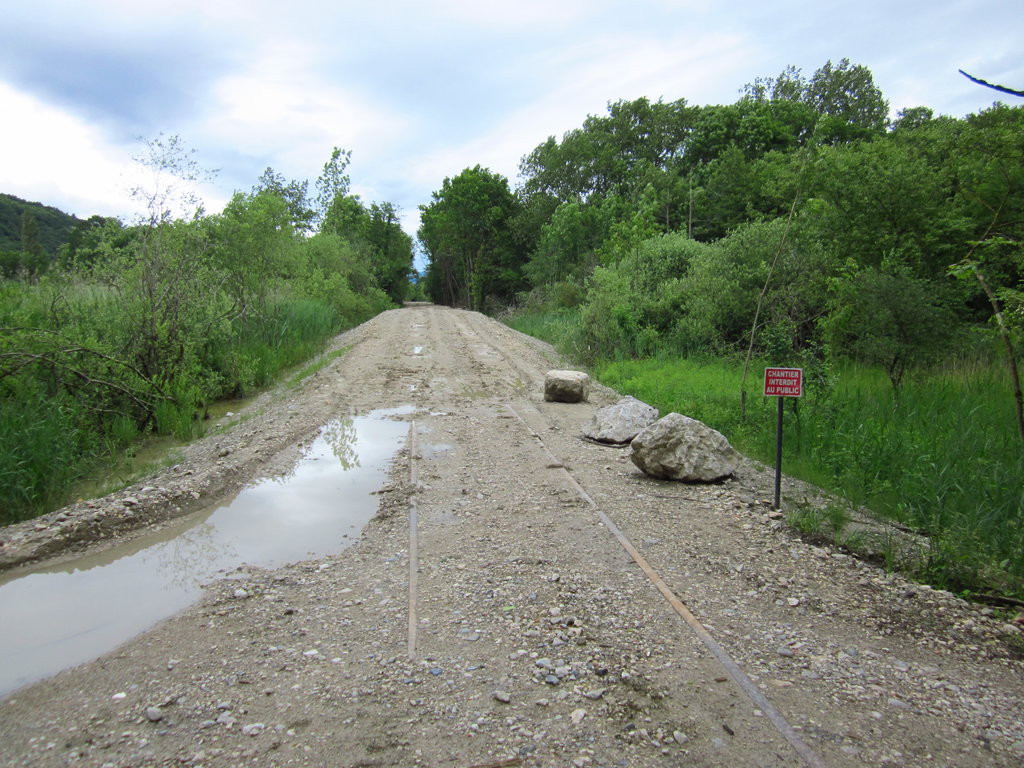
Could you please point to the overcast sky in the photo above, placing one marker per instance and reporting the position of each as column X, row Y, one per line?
column 421, row 90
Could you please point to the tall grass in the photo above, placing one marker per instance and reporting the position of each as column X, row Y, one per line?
column 559, row 327
column 942, row 456
column 39, row 448
column 52, row 436
column 287, row 334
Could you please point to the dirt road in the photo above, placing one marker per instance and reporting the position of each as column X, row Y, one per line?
column 531, row 637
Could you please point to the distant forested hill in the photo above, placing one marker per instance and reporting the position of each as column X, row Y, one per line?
column 54, row 226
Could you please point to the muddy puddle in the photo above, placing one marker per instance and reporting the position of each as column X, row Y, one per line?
column 58, row 617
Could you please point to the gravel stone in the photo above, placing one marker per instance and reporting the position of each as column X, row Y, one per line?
column 868, row 674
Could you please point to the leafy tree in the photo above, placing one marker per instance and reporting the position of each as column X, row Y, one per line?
column 607, row 153
column 333, row 182
column 790, row 85
column 253, row 243
column 557, row 169
column 889, row 318
column 728, row 197
column 629, row 224
column 567, row 248
column 336, row 274
column 347, row 217
column 874, row 200
column 634, row 306
column 722, row 287
column 377, row 234
column 294, row 193
column 843, row 97
column 10, row 264
column 754, row 127
column 168, row 286
column 990, row 176
column 33, row 257
column 851, row 104
column 173, row 176
column 533, row 211
column 92, row 240
column 912, row 118
column 391, row 250
column 467, row 234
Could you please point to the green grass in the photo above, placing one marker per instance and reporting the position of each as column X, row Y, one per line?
column 42, row 451
column 321, row 362
column 130, row 465
column 55, row 435
column 559, row 327
column 263, row 346
column 943, row 457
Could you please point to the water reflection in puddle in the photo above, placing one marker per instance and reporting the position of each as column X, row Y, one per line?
column 61, row 616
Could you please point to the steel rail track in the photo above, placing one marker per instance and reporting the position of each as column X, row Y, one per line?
column 808, row 755
column 803, row 750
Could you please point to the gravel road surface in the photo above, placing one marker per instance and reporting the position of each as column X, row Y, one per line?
column 530, row 636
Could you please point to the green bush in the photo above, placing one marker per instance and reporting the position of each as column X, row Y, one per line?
column 147, row 337
column 633, row 306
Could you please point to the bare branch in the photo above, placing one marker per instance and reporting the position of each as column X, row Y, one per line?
column 76, row 347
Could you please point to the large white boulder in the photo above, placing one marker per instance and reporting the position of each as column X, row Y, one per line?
column 680, row 448
column 621, row 422
column 566, row 386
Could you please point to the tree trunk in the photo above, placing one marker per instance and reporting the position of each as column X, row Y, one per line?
column 1011, row 359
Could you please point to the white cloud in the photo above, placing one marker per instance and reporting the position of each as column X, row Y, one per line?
column 581, row 80
column 282, row 108
column 58, row 159
column 523, row 14
column 420, row 91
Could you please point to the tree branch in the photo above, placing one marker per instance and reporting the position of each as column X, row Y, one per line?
column 30, row 357
column 993, row 86
column 78, row 348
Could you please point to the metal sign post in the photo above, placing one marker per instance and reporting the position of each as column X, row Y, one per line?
column 780, row 383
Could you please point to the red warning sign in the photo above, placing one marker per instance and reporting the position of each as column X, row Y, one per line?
column 783, row 382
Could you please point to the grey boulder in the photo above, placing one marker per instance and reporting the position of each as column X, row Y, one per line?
column 680, row 448
column 566, row 386
column 621, row 422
